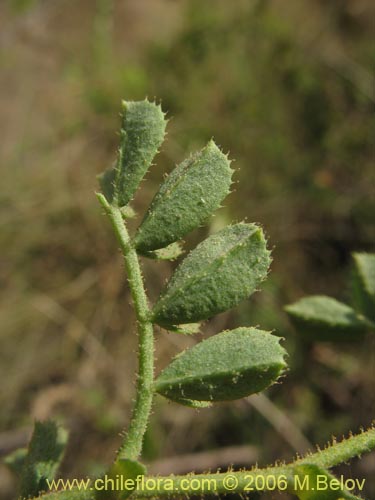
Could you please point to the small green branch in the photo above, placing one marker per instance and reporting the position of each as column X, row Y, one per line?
column 224, row 269
column 338, row 453
column 132, row 445
column 159, row 486
column 331, row 456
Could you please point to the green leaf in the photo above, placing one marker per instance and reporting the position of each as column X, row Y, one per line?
column 171, row 252
column 142, row 133
column 230, row 365
column 45, row 452
column 323, row 318
column 16, row 460
column 223, row 270
column 191, row 193
column 363, row 283
column 123, row 469
column 310, row 482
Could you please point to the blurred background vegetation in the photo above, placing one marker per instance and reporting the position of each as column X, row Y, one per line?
column 287, row 88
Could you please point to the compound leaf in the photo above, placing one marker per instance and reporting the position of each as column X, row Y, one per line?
column 230, row 365
column 310, row 482
column 188, row 196
column 363, row 283
column 323, row 318
column 223, row 270
column 142, row 133
column 45, row 452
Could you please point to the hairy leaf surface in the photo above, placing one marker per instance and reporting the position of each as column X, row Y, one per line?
column 107, row 182
column 142, row 133
column 191, row 193
column 229, row 365
column 223, row 270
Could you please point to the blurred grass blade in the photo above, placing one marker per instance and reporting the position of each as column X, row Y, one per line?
column 45, row 452
column 323, row 318
column 223, row 270
column 230, row 365
column 189, row 195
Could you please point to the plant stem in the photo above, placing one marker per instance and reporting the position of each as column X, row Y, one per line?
column 132, row 446
column 334, row 454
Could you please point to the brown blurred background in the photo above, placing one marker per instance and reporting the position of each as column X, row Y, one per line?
column 287, row 88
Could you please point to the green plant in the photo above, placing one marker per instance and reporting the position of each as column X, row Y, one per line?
column 222, row 271
column 323, row 318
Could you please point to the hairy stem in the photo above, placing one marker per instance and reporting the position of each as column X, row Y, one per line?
column 199, row 484
column 242, row 481
column 132, row 446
